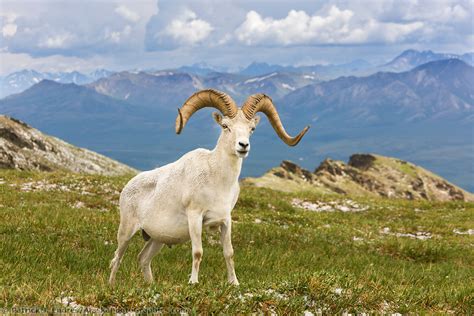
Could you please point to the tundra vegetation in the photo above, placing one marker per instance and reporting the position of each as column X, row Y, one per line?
column 346, row 254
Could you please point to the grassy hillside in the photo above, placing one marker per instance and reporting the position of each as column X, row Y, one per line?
column 57, row 236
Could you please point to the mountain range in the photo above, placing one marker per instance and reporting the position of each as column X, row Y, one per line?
column 19, row 81
column 424, row 115
column 438, row 90
column 146, row 89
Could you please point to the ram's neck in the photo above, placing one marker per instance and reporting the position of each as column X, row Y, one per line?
column 229, row 165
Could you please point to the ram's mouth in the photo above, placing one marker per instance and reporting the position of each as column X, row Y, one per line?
column 242, row 152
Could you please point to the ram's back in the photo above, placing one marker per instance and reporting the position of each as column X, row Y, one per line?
column 176, row 178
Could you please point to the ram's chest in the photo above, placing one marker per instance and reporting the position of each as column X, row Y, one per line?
column 212, row 197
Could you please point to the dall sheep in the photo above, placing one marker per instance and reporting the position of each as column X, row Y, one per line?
column 172, row 204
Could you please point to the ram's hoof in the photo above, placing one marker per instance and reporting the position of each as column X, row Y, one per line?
column 234, row 282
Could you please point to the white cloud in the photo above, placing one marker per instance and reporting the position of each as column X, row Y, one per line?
column 127, row 14
column 9, row 17
column 287, row 31
column 57, row 27
column 9, row 30
column 188, row 29
column 439, row 11
column 336, row 27
column 118, row 36
column 225, row 39
column 391, row 32
column 56, row 41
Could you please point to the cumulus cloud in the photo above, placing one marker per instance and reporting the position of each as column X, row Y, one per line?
column 336, row 27
column 52, row 27
column 439, row 11
column 184, row 29
column 127, row 14
column 285, row 31
column 188, row 28
column 9, row 30
column 56, row 41
column 117, row 36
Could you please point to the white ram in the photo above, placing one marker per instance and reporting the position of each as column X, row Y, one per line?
column 173, row 203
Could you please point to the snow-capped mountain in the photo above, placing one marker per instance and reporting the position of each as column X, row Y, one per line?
column 21, row 80
column 99, row 74
column 326, row 72
column 412, row 58
column 165, row 88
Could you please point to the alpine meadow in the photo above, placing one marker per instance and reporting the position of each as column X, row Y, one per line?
column 235, row 157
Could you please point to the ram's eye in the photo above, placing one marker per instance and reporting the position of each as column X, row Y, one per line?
column 224, row 126
column 252, row 129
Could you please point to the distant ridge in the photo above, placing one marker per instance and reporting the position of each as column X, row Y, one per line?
column 21, row 80
column 435, row 91
column 412, row 58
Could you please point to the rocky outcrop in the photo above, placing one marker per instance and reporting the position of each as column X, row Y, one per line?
column 364, row 174
column 292, row 171
column 25, row 148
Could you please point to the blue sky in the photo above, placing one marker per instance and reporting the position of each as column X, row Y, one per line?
column 54, row 35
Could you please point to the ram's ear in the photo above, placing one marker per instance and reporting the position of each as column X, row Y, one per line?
column 256, row 119
column 217, row 117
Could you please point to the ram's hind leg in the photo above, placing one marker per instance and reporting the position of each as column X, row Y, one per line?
column 150, row 249
column 125, row 233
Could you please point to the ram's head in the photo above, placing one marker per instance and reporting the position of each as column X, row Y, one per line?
column 237, row 124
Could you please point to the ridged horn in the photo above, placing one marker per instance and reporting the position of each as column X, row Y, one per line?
column 205, row 98
column 263, row 103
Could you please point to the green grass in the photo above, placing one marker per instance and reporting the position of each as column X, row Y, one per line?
column 57, row 242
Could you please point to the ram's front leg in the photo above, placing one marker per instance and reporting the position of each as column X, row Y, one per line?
column 195, row 232
column 226, row 241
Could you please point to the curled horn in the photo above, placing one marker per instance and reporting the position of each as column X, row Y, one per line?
column 205, row 98
column 263, row 103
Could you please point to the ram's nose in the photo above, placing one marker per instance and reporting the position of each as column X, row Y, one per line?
column 243, row 145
